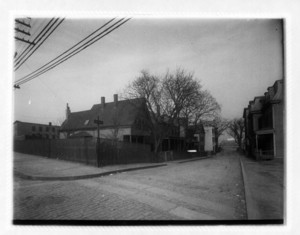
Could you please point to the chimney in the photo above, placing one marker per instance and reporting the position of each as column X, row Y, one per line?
column 116, row 99
column 68, row 111
column 102, row 102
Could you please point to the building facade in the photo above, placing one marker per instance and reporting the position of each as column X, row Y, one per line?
column 26, row 130
column 195, row 138
column 209, row 139
column 124, row 120
column 264, row 124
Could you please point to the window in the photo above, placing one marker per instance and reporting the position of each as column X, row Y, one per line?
column 33, row 128
column 53, row 129
column 126, row 138
column 40, row 128
column 47, row 128
column 138, row 124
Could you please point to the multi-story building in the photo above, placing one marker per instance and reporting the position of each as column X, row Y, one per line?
column 263, row 118
column 26, row 130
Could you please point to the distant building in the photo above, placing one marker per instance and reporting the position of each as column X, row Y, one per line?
column 263, row 120
column 26, row 130
column 195, row 138
column 124, row 120
column 175, row 141
column 210, row 139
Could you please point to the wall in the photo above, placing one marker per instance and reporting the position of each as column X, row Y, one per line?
column 108, row 133
column 208, row 143
column 104, row 133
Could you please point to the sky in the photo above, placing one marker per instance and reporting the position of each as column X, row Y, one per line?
column 235, row 59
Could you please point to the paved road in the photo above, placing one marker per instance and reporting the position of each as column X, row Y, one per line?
column 208, row 189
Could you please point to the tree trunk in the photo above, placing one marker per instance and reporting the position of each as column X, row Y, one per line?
column 217, row 144
column 157, row 145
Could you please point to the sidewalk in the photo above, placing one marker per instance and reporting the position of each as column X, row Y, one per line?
column 264, row 188
column 41, row 168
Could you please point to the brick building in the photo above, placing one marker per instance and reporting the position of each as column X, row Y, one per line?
column 27, row 130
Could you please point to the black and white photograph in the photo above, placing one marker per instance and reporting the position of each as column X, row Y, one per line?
column 148, row 120
column 164, row 116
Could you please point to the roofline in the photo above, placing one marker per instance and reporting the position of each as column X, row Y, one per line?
column 32, row 123
column 92, row 128
column 258, row 97
column 112, row 102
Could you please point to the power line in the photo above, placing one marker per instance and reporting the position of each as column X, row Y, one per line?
column 71, row 54
column 68, row 56
column 36, row 28
column 23, row 23
column 24, row 40
column 65, row 51
column 34, row 40
column 22, row 28
column 18, row 66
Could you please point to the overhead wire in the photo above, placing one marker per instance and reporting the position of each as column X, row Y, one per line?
column 34, row 40
column 43, row 38
column 67, row 50
column 21, row 45
column 50, row 66
column 35, row 30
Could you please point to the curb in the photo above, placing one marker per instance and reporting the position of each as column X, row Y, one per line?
column 191, row 160
column 79, row 177
column 252, row 213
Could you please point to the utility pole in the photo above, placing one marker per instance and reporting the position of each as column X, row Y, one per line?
column 23, row 31
column 50, row 124
column 98, row 122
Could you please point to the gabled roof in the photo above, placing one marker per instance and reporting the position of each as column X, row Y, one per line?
column 122, row 114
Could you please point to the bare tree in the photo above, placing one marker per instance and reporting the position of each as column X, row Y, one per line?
column 220, row 125
column 149, row 88
column 236, row 130
column 180, row 91
column 165, row 98
column 202, row 107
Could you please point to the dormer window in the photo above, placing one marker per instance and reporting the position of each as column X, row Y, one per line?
column 86, row 122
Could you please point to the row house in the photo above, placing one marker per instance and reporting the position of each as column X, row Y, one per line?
column 27, row 130
column 263, row 119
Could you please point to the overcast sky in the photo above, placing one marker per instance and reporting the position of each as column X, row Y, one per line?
column 235, row 60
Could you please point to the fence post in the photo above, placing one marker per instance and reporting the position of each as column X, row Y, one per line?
column 85, row 147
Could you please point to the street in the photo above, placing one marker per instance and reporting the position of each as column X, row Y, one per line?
column 201, row 189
